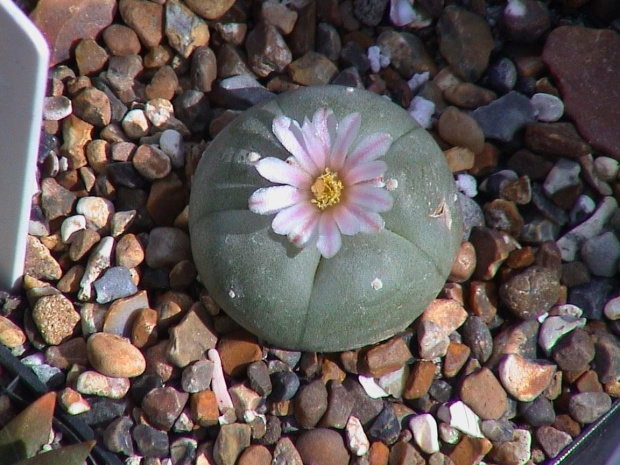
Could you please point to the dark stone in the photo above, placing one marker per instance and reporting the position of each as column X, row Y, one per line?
column 502, row 75
column 574, row 351
column 242, row 92
column 258, row 374
column 124, row 174
column 117, row 436
column 545, row 206
column 339, row 406
column 538, row 412
column 369, row 12
column 530, row 293
column 504, row 117
column 385, row 427
column 527, row 24
column 440, row 390
column 592, row 297
column 193, row 109
column 151, row 442
column 477, row 337
column 556, row 140
column 142, row 385
column 118, row 108
column 497, row 430
column 273, row 431
column 284, row 386
column 115, row 283
column 354, row 55
column 102, row 411
column 584, row 63
column 526, row 163
column 365, row 408
column 607, row 358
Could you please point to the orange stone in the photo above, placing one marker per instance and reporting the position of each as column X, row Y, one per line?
column 378, row 453
column 204, row 408
column 420, row 379
column 387, row 357
column 237, row 350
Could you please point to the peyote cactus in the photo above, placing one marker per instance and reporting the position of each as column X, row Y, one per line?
column 366, row 221
column 22, row 439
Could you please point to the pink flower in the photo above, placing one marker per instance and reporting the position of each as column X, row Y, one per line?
column 326, row 188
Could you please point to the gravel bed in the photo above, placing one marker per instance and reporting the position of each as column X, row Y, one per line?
column 515, row 357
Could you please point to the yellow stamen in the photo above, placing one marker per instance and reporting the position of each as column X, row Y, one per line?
column 326, row 190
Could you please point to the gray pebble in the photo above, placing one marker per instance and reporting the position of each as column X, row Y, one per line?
column 369, row 12
column 477, row 337
column 197, row 376
column 284, row 386
column 192, row 108
column 591, row 297
column 386, row 426
column 328, row 41
column 502, row 118
column 587, row 407
column 548, row 108
column 472, row 214
column 581, row 210
column 151, row 442
column 117, row 436
column 601, row 254
column 502, row 75
column 497, row 430
column 538, row 412
column 166, row 247
column 243, row 91
column 115, row 283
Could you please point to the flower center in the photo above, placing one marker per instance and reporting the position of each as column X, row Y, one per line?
column 326, row 190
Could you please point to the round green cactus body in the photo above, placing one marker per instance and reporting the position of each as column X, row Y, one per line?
column 376, row 284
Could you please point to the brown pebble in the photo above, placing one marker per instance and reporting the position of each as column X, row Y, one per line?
column 387, row 357
column 552, row 440
column 404, row 453
column 144, row 328
column 121, row 40
column 163, row 84
column 114, row 356
column 93, row 106
column 460, row 130
column 378, row 454
column 420, row 379
column 470, row 450
column 70, row 352
column 459, row 159
column 525, row 379
column 468, row 96
column 11, row 335
column 455, row 359
column 151, row 162
column 55, row 317
column 313, row 69
column 145, row 18
column 492, row 250
column 90, row 57
column 70, row 282
column 267, row 51
column 163, row 405
column 204, row 68
column 255, row 455
column 574, row 351
column 483, row 300
column 448, row 314
column 129, row 251
column 324, row 446
column 192, row 337
column 503, row 215
column 210, row 10
column 530, row 293
column 167, row 199
column 157, row 362
column 556, row 139
column 490, row 406
column 339, row 406
column 230, row 443
column 237, row 350
column 464, row 263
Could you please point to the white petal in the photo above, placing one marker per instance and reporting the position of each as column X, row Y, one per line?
column 269, row 200
column 370, row 198
column 305, row 232
column 369, row 149
column 347, row 222
column 325, row 123
column 314, row 146
column 329, row 240
column 369, row 221
column 276, row 170
column 293, row 217
column 346, row 134
column 364, row 172
column 288, row 132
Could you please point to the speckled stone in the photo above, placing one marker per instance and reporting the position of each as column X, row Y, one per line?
column 531, row 292
column 230, row 443
column 587, row 407
column 162, row 406
column 55, row 318
column 112, row 355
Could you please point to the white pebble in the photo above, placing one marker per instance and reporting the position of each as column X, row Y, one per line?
column 56, row 108
column 98, row 261
column 515, row 8
column 612, row 309
column 135, row 124
column 171, row 143
column 461, row 417
column 570, row 242
column 467, row 184
column 581, row 209
column 418, row 80
column 425, row 435
column 565, row 173
column 606, row 168
column 394, row 382
column 376, row 284
column 377, row 59
column 391, row 184
column 97, row 211
column 159, row 111
column 356, row 437
column 373, row 390
column 567, row 310
column 554, row 328
column 421, row 110
column 70, row 226
column 547, row 108
column 401, row 13
column 121, row 221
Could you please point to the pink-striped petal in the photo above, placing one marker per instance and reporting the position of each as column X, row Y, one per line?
column 346, row 134
column 370, row 222
column 275, row 170
column 347, row 222
column 292, row 217
column 305, row 232
column 370, row 148
column 314, row 146
column 269, row 200
column 329, row 240
column 288, row 132
column 325, row 123
column 371, row 198
column 363, row 172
